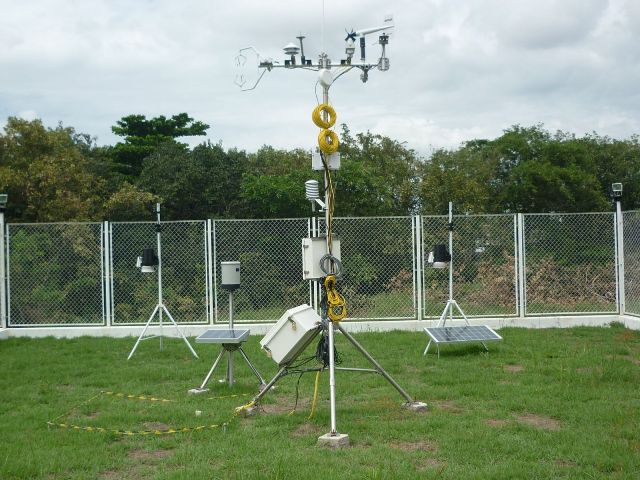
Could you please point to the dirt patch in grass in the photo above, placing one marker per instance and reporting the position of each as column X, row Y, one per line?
column 92, row 415
column 431, row 464
column 447, row 406
column 631, row 359
column 626, row 336
column 142, row 455
column 276, row 408
column 110, row 475
column 156, row 426
column 539, row 421
column 496, row 422
column 305, row 429
column 423, row 446
column 513, row 368
column 562, row 463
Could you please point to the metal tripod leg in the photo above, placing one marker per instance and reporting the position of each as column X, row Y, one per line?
column 251, row 366
column 144, row 330
column 215, row 364
column 377, row 366
column 180, row 331
column 281, row 373
column 467, row 321
column 441, row 321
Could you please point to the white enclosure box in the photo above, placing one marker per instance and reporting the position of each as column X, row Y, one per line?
column 333, row 161
column 230, row 275
column 313, row 249
column 291, row 334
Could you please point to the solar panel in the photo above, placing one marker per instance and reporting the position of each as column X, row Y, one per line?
column 459, row 334
column 224, row 336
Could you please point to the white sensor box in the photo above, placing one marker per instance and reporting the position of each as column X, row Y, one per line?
column 230, row 274
column 333, row 161
column 291, row 334
column 313, row 249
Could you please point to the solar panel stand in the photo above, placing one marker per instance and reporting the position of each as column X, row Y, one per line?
column 160, row 307
column 443, row 320
column 233, row 344
column 448, row 308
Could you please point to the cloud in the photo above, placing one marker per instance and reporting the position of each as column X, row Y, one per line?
column 459, row 70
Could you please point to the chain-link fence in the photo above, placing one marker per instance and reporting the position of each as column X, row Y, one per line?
column 632, row 262
column 184, row 271
column 55, row 274
column 570, row 263
column 269, row 252
column 484, row 265
column 378, row 265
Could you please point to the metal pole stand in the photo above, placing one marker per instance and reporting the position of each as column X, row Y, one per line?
column 231, row 341
column 160, row 307
column 333, row 438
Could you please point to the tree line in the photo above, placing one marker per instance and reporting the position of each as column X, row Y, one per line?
column 58, row 174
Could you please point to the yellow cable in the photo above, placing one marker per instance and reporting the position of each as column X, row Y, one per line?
column 330, row 116
column 328, row 141
column 315, row 396
column 336, row 304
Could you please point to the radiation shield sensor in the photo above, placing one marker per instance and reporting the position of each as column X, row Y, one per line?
column 230, row 275
column 291, row 334
column 616, row 190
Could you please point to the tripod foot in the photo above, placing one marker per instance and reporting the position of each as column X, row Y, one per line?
column 334, row 440
column 416, row 406
column 196, row 391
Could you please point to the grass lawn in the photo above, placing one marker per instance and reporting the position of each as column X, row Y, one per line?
column 557, row 403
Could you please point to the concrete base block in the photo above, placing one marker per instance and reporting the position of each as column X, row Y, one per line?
column 416, row 406
column 335, row 440
column 196, row 391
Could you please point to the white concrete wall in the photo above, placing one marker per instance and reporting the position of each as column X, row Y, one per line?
column 360, row 326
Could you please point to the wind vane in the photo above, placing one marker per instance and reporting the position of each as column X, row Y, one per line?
column 295, row 57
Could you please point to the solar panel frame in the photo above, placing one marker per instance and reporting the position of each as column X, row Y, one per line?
column 218, row 335
column 462, row 334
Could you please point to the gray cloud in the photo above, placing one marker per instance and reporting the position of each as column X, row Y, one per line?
column 459, row 69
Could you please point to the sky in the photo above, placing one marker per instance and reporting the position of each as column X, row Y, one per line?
column 459, row 69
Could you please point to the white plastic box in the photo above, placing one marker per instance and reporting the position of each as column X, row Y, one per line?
column 313, row 249
column 291, row 334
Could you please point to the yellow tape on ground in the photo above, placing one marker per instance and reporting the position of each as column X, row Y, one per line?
column 129, row 433
column 169, row 431
column 137, row 397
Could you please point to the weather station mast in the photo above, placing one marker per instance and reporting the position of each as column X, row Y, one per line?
column 321, row 254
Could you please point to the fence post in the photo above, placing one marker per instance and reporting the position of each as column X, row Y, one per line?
column 208, row 229
column 106, row 269
column 521, row 273
column 619, row 236
column 3, row 279
column 417, row 262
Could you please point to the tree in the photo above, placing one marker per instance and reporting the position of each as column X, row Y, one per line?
column 273, row 184
column 142, row 137
column 208, row 183
column 378, row 176
column 45, row 173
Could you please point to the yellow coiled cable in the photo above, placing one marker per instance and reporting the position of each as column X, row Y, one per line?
column 328, row 141
column 318, row 119
column 336, row 304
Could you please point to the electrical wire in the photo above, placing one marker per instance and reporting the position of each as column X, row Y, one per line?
column 315, row 396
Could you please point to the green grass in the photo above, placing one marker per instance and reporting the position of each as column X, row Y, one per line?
column 557, row 403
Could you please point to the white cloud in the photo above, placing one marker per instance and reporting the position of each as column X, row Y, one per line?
column 459, row 70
